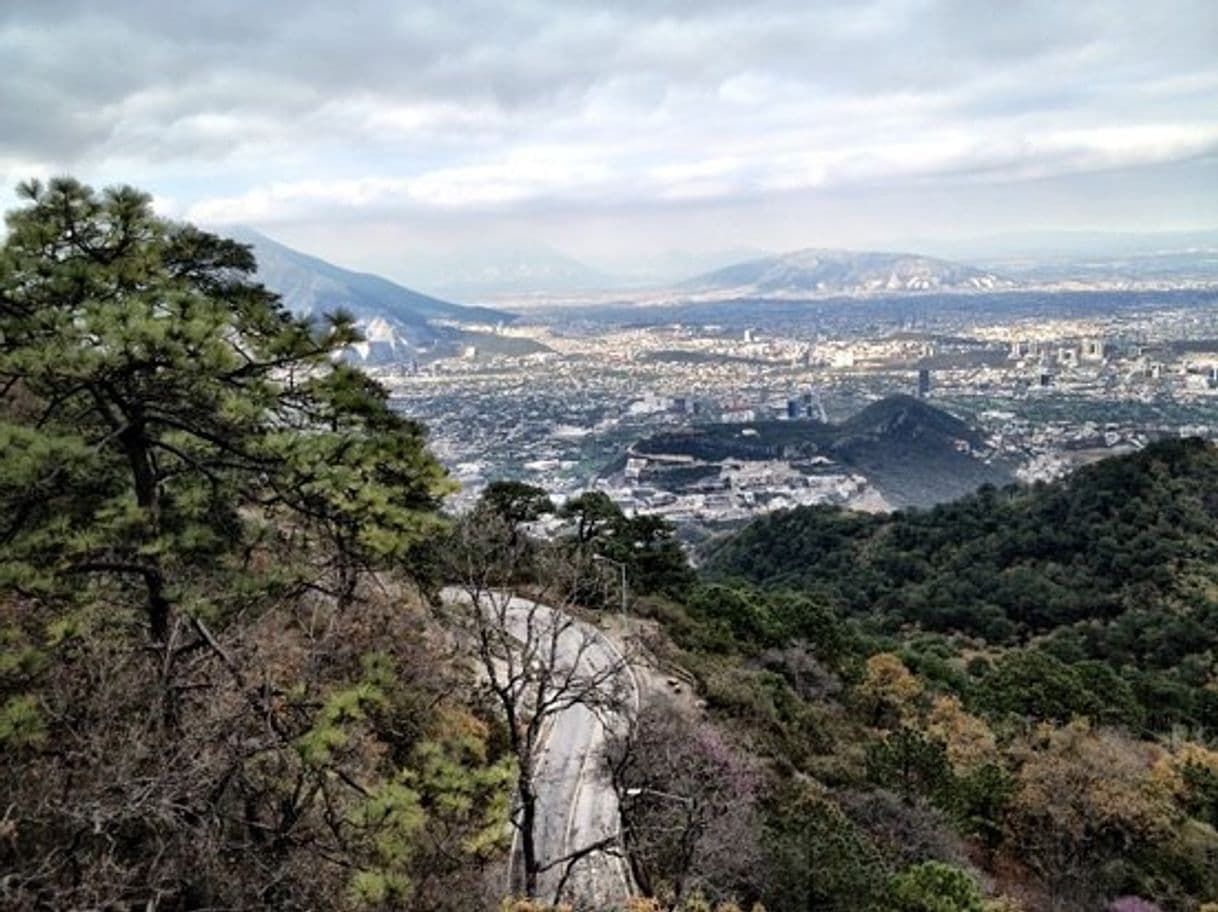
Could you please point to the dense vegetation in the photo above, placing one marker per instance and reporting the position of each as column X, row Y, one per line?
column 222, row 685
column 1105, row 581
column 1019, row 687
column 203, row 703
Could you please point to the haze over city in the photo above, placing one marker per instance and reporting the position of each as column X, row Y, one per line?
column 643, row 139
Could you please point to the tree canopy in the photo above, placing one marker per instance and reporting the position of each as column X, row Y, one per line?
column 163, row 413
column 207, row 700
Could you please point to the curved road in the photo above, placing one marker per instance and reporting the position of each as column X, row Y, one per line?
column 577, row 806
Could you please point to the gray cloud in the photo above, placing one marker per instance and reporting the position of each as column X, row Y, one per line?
column 297, row 110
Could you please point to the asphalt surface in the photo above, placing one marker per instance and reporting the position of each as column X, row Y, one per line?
column 577, row 806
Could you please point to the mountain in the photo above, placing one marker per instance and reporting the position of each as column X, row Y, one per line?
column 1054, row 246
column 913, row 453
column 1067, row 260
column 397, row 322
column 907, row 418
column 841, row 272
column 515, row 271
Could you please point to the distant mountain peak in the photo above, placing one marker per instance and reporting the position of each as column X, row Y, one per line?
column 821, row 271
column 397, row 322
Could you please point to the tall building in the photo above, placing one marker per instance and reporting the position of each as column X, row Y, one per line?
column 923, row 382
column 1092, row 351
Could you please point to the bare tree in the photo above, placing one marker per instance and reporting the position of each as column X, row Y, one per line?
column 538, row 661
column 258, row 797
column 688, row 803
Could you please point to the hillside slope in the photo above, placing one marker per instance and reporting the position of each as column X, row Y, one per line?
column 1003, row 684
column 913, row 453
column 398, row 323
column 1117, row 562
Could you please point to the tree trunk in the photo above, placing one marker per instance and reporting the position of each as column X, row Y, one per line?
column 528, row 830
column 148, row 498
column 158, row 606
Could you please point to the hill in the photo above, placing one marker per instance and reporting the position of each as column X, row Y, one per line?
column 1003, row 684
column 1117, row 563
column 826, row 272
column 913, row 453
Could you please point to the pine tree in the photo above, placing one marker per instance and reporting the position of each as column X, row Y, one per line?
column 165, row 417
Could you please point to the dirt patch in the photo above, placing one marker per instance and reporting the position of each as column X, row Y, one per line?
column 651, row 657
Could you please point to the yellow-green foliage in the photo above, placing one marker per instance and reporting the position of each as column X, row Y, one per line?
column 453, row 774
column 447, row 784
column 318, row 745
column 391, row 819
column 19, row 658
column 21, row 722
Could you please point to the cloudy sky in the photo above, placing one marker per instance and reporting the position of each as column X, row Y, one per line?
column 371, row 132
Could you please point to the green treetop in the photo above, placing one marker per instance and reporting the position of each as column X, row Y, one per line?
column 164, row 414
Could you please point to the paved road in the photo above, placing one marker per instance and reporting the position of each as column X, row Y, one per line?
column 577, row 806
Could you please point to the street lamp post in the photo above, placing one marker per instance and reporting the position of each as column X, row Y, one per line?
column 622, row 567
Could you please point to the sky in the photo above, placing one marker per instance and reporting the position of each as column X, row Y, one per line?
column 381, row 134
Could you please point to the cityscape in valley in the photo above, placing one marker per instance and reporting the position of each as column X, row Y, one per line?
column 609, row 456
column 870, row 381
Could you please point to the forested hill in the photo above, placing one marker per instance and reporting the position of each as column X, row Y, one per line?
column 914, row 453
column 902, row 415
column 1120, row 560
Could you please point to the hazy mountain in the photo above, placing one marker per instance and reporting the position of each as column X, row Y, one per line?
column 1184, row 267
column 396, row 320
column 818, row 272
column 1094, row 259
column 498, row 272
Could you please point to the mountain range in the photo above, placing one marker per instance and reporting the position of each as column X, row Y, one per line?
column 404, row 324
column 818, row 271
column 1068, row 262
